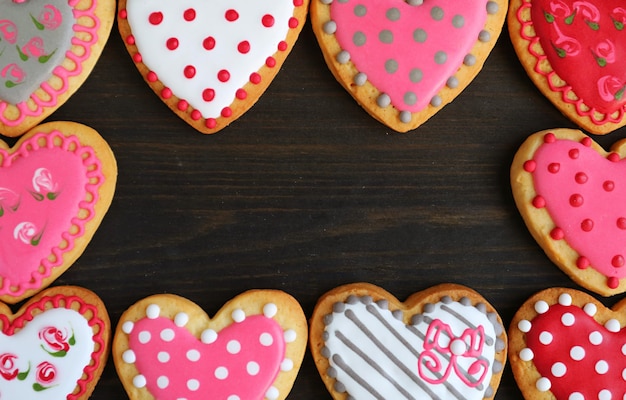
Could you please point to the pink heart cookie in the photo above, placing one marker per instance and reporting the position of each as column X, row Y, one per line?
column 210, row 62
column 442, row 343
column 55, row 347
column 566, row 345
column 47, row 50
column 165, row 346
column 570, row 194
column 56, row 184
column 404, row 60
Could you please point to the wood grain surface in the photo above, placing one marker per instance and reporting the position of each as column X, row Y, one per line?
column 307, row 192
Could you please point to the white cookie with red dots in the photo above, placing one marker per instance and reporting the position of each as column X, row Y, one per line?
column 402, row 61
column 166, row 346
column 566, row 345
column 211, row 61
column 572, row 196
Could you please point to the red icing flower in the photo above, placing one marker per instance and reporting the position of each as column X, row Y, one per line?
column 8, row 370
column 56, row 340
column 50, row 17
column 34, row 47
column 45, row 375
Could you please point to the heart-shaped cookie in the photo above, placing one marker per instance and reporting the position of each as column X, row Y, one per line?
column 165, row 346
column 566, row 345
column 574, row 52
column 403, row 60
column 56, row 184
column 444, row 342
column 210, row 62
column 570, row 194
column 47, row 50
column 55, row 347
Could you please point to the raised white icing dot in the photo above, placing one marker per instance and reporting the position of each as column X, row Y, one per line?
column 290, row 336
column 153, row 311
column 266, row 339
column 602, row 367
column 565, row 299
column 577, row 353
column 541, row 307
column 193, row 355
column 524, row 326
column 612, row 325
column 144, row 337
column 287, row 365
column 545, row 338
column 221, row 373
column 208, row 336
column 568, row 319
column 139, row 381
column 167, row 335
column 253, row 368
column 624, row 374
column 604, row 394
column 193, row 384
column 270, row 310
column 163, row 382
column 238, row 315
column 576, row 396
column 595, row 338
column 127, row 327
column 590, row 309
column 558, row 369
column 181, row 319
column 543, row 384
column 458, row 347
column 272, row 393
column 526, row 354
column 624, row 349
column 163, row 356
column 233, row 347
column 129, row 357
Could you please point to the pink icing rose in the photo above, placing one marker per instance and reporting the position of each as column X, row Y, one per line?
column 589, row 12
column 45, row 373
column 13, row 73
column 559, row 9
column 50, row 17
column 34, row 47
column 610, row 88
column 8, row 370
column 618, row 15
column 26, row 232
column 43, row 182
column 55, row 339
column 9, row 200
column 604, row 52
column 8, row 31
column 566, row 46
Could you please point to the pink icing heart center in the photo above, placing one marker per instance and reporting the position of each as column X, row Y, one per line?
column 408, row 52
column 577, row 356
column 43, row 187
column 584, row 194
column 175, row 364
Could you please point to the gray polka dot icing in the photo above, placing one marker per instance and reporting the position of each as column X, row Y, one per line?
column 343, row 57
column 441, row 57
column 359, row 38
column 360, row 10
column 386, row 36
column 458, row 21
column 330, row 27
column 393, row 14
column 415, row 2
column 391, row 66
column 410, row 98
column 437, row 13
column 420, row 35
column 416, row 75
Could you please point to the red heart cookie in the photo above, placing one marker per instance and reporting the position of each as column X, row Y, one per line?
column 165, row 346
column 404, row 60
column 55, row 347
column 47, row 50
column 210, row 62
column 566, row 345
column 572, row 196
column 56, row 184
column 574, row 51
column 445, row 342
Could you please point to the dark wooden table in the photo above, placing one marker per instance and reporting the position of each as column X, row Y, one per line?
column 306, row 192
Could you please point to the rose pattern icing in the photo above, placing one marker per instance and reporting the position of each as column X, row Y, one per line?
column 448, row 351
column 584, row 44
column 48, row 191
column 584, row 193
column 576, row 356
column 51, row 350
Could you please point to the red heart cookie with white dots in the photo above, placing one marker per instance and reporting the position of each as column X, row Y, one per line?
column 165, row 346
column 572, row 196
column 574, row 52
column 47, row 50
column 210, row 62
column 566, row 345
column 403, row 60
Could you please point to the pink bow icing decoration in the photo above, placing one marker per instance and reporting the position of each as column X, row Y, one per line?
column 440, row 343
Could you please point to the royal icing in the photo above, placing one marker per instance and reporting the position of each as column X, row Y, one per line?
column 173, row 363
column 584, row 194
column 48, row 191
column 577, row 357
column 583, row 42
column 52, row 354
column 447, row 352
column 35, row 39
column 206, row 54
column 408, row 50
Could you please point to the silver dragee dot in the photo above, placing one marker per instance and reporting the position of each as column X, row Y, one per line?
column 327, row 2
column 405, row 117
column 360, row 10
column 492, row 7
column 330, row 27
column 469, row 60
column 420, row 35
column 343, row 57
column 391, row 66
column 436, row 13
column 393, row 14
column 360, row 79
column 435, row 101
column 386, row 36
column 458, row 21
column 359, row 38
column 452, row 82
column 484, row 36
column 383, row 100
